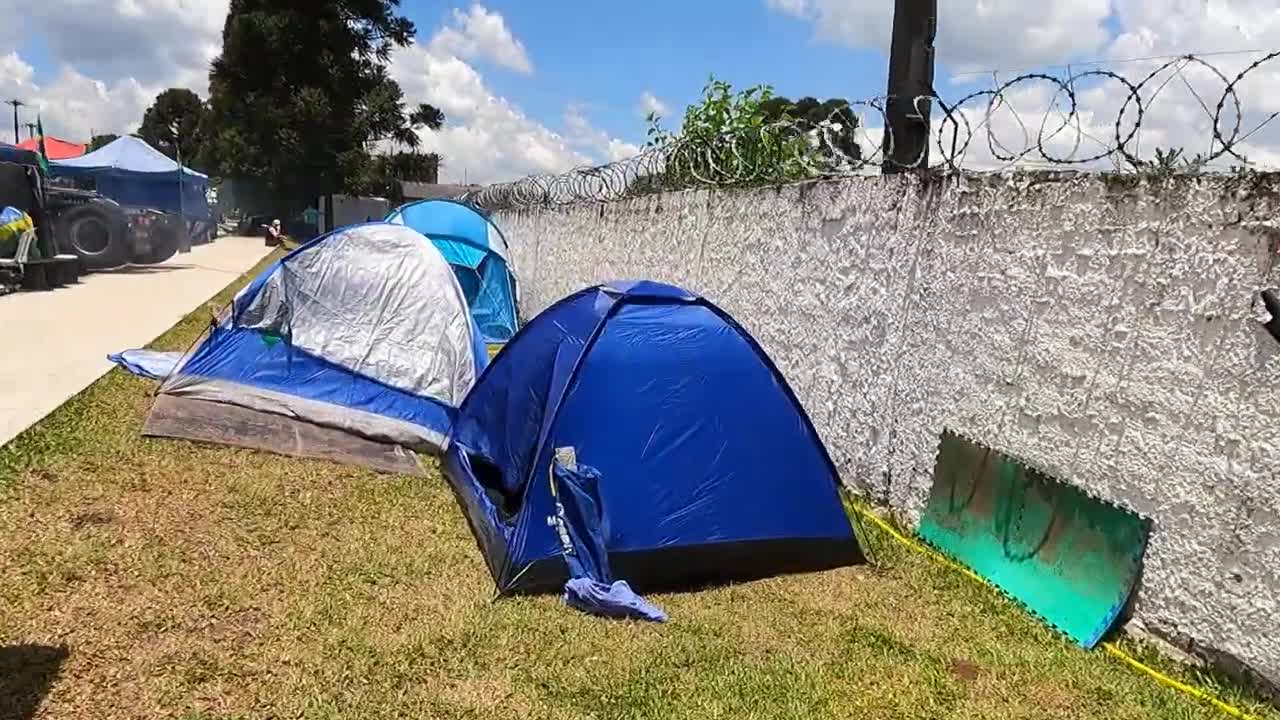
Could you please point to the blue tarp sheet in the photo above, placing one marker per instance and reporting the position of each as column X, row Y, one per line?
column 154, row 364
column 14, row 154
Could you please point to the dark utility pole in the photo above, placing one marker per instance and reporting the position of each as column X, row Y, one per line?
column 31, row 130
column 906, row 142
column 16, row 103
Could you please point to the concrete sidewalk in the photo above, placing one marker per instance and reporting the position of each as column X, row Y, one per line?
column 55, row 344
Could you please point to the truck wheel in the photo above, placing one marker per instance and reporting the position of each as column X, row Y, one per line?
column 164, row 245
column 93, row 235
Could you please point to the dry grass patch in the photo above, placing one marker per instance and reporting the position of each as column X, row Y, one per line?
column 190, row 581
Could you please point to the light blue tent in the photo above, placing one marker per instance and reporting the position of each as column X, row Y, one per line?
column 355, row 347
column 478, row 252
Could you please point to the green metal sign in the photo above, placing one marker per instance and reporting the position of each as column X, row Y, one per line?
column 1070, row 559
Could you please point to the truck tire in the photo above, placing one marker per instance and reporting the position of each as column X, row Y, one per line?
column 94, row 234
column 164, row 245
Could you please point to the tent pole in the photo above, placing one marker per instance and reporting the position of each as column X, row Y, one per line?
column 185, row 239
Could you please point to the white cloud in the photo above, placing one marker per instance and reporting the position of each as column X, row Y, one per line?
column 650, row 103
column 972, row 34
column 156, row 42
column 480, row 33
column 73, row 106
column 111, row 58
column 16, row 75
column 581, row 134
column 486, row 138
column 1178, row 104
column 790, row 7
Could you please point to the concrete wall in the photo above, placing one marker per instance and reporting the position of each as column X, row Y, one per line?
column 1104, row 328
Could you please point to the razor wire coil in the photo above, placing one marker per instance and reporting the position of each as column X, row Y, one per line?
column 983, row 131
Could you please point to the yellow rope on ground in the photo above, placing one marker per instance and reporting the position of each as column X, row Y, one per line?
column 1111, row 648
column 1229, row 709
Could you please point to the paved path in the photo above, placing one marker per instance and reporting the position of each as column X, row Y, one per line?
column 54, row 344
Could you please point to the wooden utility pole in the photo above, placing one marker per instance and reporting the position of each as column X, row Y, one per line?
column 31, row 130
column 16, row 103
column 906, row 140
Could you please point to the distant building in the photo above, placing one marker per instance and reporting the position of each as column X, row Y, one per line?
column 349, row 210
column 434, row 191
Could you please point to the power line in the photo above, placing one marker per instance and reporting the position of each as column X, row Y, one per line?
column 1126, row 61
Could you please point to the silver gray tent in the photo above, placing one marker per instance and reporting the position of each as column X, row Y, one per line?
column 356, row 347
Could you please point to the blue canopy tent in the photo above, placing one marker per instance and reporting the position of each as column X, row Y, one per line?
column 478, row 252
column 355, row 347
column 706, row 467
column 14, row 154
column 133, row 173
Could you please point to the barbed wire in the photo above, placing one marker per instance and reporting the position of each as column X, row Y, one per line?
column 1032, row 120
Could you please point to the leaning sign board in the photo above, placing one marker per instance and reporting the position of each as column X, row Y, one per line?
column 1071, row 559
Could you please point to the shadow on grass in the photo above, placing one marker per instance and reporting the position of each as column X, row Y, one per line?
column 26, row 674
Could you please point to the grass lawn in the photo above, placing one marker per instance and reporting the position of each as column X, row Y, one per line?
column 204, row 582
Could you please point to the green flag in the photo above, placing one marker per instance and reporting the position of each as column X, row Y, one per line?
column 44, row 155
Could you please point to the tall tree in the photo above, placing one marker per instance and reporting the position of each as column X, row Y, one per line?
column 301, row 93
column 97, row 142
column 176, row 120
column 832, row 123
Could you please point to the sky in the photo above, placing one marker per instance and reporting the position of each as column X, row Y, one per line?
column 539, row 87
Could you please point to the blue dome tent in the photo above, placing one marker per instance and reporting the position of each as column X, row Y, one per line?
column 478, row 252
column 14, row 154
column 355, row 347
column 706, row 467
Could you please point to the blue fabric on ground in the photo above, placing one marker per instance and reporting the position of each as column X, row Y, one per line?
column 611, row 601
column 584, row 527
column 154, row 364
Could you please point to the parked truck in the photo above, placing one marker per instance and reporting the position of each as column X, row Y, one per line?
column 79, row 230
